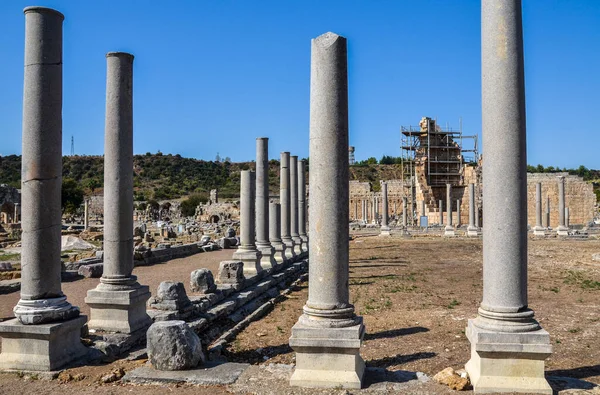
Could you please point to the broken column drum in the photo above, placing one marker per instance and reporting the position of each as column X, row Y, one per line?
column 294, row 205
column 118, row 303
column 302, row 205
column 404, row 212
column 327, row 337
column 45, row 333
column 285, row 201
column 247, row 251
column 508, row 346
column 263, row 244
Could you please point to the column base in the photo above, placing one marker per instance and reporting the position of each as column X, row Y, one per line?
column 279, row 253
column 304, row 243
column 327, row 357
column 289, row 248
column 472, row 231
column 43, row 347
column 449, row 231
column 385, row 231
column 539, row 231
column 267, row 262
column 297, row 245
column 120, row 311
column 508, row 362
column 562, row 231
column 251, row 259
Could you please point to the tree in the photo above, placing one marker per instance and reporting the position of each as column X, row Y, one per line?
column 71, row 196
column 188, row 206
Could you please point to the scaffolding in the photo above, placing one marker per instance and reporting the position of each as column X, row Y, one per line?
column 435, row 153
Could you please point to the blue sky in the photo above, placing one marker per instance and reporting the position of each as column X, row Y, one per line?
column 211, row 76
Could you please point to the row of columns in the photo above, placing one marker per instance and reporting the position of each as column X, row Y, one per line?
column 271, row 233
column 563, row 211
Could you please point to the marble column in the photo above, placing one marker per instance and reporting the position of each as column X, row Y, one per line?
column 263, row 243
column 472, row 228
column 458, row 203
column 385, row 229
column 364, row 211
column 86, row 214
column 508, row 346
column 449, row 229
column 16, row 217
column 538, row 230
column 327, row 337
column 275, row 232
column 118, row 303
column 247, row 251
column 45, row 333
column 562, row 229
column 405, row 212
column 294, row 205
column 441, row 207
column 567, row 217
column 302, row 206
column 548, row 212
column 286, row 210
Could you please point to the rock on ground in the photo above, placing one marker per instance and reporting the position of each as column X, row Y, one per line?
column 172, row 345
column 202, row 280
column 450, row 378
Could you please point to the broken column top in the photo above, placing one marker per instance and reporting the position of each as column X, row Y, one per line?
column 41, row 10
column 327, row 39
column 120, row 55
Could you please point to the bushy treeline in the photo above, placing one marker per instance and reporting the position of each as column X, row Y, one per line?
column 582, row 171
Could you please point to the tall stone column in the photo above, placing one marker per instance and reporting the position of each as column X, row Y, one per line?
column 118, row 303
column 247, row 251
column 275, row 232
column 294, row 205
column 547, row 211
column 472, row 228
column 16, row 217
column 441, row 206
column 86, row 214
column 508, row 347
column 302, row 205
column 538, row 230
column 327, row 337
column 405, row 212
column 263, row 244
column 385, row 229
column 286, row 211
column 45, row 333
column 567, row 217
column 355, row 209
column 562, row 229
column 449, row 229
column 458, row 203
column 364, row 211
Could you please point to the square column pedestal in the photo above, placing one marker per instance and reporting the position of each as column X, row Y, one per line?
column 327, row 357
column 251, row 259
column 508, row 362
column 42, row 347
column 121, row 311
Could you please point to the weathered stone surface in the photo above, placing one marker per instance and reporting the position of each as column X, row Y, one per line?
column 211, row 374
column 231, row 272
column 202, row 280
column 596, row 257
column 450, row 378
column 169, row 290
column 204, row 240
column 172, row 345
column 91, row 271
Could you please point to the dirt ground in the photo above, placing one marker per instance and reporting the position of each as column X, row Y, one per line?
column 415, row 295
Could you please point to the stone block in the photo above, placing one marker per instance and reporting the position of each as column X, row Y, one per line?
column 91, row 271
column 202, row 280
column 172, row 345
column 42, row 347
column 120, row 311
column 327, row 357
column 171, row 296
column 231, row 272
column 508, row 362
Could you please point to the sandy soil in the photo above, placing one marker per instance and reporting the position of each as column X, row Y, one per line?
column 415, row 295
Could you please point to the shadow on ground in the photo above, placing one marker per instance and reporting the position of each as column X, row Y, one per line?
column 395, row 333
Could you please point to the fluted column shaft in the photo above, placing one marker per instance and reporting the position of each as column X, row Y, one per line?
column 561, row 202
column 302, row 204
column 262, row 191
